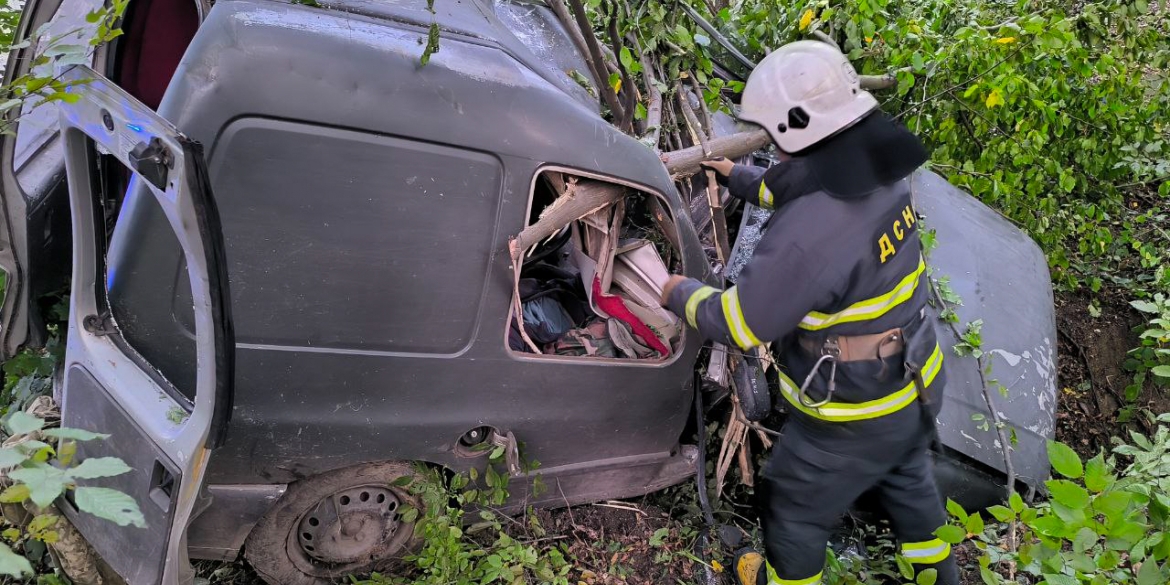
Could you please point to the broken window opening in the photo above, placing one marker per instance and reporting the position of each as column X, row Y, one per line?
column 589, row 269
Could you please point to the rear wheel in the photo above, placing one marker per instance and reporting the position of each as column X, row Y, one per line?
column 333, row 525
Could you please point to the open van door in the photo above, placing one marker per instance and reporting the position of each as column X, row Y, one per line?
column 108, row 387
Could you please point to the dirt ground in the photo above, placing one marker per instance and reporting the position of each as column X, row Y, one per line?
column 1092, row 379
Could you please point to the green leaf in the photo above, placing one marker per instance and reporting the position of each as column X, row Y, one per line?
column 1068, row 493
column 659, row 537
column 10, row 457
column 1064, row 460
column 74, row 434
column 110, row 504
column 1085, row 540
column 1144, row 306
column 989, row 577
column 12, row 564
column 1097, row 477
column 975, row 524
column 99, row 467
column 410, row 515
column 904, row 566
column 65, row 452
column 1001, row 513
column 927, row 577
column 627, row 58
column 22, row 423
column 1056, row 579
column 1050, row 526
column 1113, row 504
column 1161, row 371
column 1149, row 574
column 951, row 534
column 14, row 494
column 403, row 481
column 1016, row 502
column 956, row 511
column 45, row 482
column 639, row 111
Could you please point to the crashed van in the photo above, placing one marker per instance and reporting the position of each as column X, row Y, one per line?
column 293, row 276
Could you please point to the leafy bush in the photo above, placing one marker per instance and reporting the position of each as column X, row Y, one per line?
column 1153, row 357
column 458, row 552
column 1053, row 112
column 41, row 473
column 1106, row 522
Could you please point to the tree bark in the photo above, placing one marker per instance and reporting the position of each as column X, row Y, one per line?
column 685, row 162
column 605, row 89
column 654, row 104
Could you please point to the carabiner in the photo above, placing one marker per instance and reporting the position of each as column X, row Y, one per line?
column 803, row 396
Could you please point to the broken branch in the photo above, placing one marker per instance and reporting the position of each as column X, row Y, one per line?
column 685, row 162
column 884, row 81
column 578, row 200
column 654, row 106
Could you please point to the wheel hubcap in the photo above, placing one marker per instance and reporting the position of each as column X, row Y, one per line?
column 348, row 525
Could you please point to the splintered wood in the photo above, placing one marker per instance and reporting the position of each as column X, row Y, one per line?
column 734, row 448
column 579, row 199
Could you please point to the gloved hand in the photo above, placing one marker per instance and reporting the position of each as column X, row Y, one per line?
column 674, row 281
column 722, row 168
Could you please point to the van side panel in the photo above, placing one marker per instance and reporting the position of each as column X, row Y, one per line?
column 384, row 338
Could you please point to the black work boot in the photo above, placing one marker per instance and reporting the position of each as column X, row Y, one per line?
column 749, row 568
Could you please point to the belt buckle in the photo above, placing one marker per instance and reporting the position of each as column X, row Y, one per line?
column 831, row 347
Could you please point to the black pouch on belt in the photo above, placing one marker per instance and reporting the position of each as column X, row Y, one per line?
column 917, row 353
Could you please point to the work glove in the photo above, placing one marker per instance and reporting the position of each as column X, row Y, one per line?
column 722, row 168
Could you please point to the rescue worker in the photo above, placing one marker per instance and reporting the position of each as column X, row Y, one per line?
column 837, row 284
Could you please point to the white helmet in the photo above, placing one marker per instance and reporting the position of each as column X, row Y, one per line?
column 804, row 92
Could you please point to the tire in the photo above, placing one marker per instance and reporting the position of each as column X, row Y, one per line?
column 276, row 547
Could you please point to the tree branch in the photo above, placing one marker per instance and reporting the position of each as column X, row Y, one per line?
column 562, row 12
column 654, row 103
column 685, row 162
column 629, row 104
column 606, row 90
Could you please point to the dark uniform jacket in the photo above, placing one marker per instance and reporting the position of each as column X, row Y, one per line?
column 841, row 256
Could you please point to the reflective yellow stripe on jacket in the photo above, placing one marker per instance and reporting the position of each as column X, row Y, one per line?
column 693, row 303
column 850, row 411
column 766, row 200
column 774, row 579
column 926, row 553
column 740, row 332
column 868, row 309
column 732, row 314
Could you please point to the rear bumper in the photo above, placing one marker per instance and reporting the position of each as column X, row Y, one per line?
column 968, row 485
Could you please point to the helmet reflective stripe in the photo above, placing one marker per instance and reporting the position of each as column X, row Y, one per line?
column 803, row 93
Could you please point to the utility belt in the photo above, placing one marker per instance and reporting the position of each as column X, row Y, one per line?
column 904, row 342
